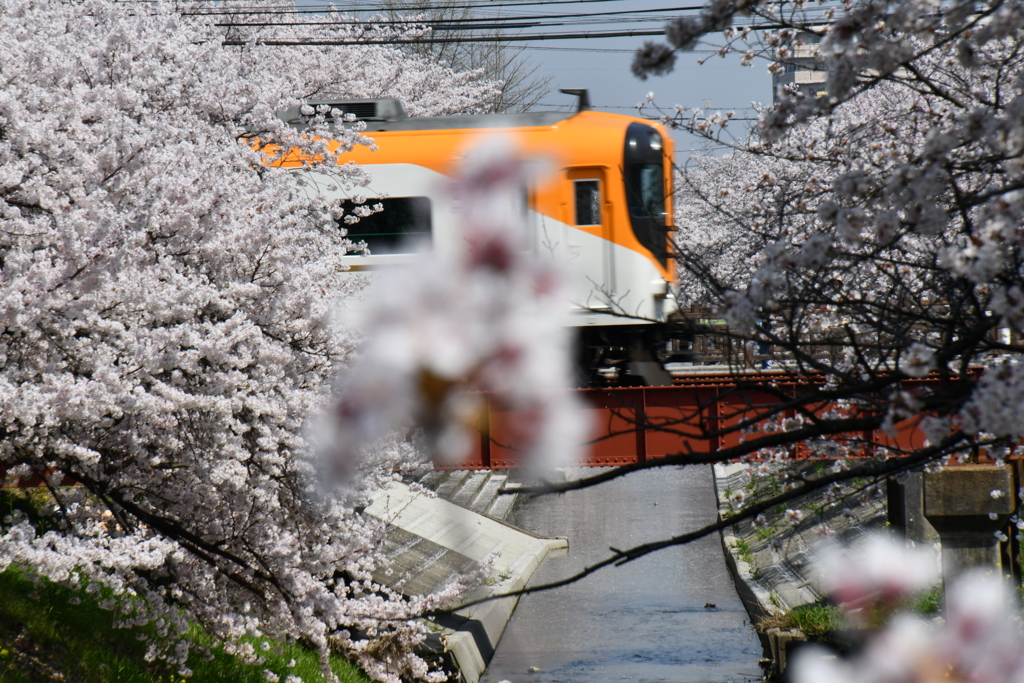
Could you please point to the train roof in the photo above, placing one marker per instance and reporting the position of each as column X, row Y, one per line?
column 588, row 137
column 388, row 114
column 537, row 118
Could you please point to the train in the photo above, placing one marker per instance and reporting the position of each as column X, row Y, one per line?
column 608, row 208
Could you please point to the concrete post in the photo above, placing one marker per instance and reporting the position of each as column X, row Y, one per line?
column 958, row 502
column 905, row 502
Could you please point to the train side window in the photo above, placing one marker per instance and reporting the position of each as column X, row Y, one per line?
column 397, row 229
column 588, row 202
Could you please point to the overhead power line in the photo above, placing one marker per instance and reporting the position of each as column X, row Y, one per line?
column 451, row 25
column 621, row 50
column 377, row 8
column 582, row 35
column 473, row 20
column 456, row 24
column 648, row 110
column 460, row 39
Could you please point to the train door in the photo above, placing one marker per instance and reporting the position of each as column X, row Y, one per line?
column 589, row 232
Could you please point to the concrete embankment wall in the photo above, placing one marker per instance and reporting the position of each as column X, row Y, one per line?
column 775, row 567
column 430, row 540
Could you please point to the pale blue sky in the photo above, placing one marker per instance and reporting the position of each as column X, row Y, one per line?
column 722, row 82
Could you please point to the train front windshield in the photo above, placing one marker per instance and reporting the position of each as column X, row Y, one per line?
column 644, row 172
column 647, row 194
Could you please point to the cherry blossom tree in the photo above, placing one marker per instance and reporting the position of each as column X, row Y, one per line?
column 729, row 207
column 425, row 87
column 166, row 326
column 884, row 213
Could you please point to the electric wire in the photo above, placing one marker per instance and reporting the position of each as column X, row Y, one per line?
column 441, row 25
column 456, row 24
column 618, row 50
column 322, row 10
column 588, row 35
column 581, row 35
column 473, row 20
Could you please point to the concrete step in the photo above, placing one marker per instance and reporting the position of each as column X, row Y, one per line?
column 433, row 479
column 502, row 506
column 470, row 487
column 477, row 490
column 486, row 494
column 452, row 483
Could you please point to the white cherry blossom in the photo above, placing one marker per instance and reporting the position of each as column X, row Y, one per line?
column 166, row 324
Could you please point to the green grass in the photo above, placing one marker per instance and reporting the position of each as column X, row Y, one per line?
column 42, row 634
column 744, row 551
column 820, row 620
column 746, row 554
column 929, row 602
column 816, row 619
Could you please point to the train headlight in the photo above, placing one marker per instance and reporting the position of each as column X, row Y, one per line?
column 661, row 289
column 655, row 141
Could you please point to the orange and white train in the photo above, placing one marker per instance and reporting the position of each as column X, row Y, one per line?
column 607, row 210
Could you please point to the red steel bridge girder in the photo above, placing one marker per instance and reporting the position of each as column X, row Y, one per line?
column 696, row 416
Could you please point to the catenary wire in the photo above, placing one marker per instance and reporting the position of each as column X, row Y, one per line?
column 472, row 20
column 444, row 25
column 451, row 39
column 322, row 10
column 583, row 35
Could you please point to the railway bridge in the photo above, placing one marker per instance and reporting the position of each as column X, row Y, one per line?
column 700, row 415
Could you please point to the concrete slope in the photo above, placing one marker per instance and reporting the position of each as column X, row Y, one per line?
column 431, row 540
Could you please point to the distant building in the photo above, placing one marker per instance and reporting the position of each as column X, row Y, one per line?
column 803, row 68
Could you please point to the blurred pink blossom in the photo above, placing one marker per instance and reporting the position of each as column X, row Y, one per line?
column 980, row 641
column 490, row 317
column 876, row 568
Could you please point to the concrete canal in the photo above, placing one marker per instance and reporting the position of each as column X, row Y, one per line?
column 645, row 621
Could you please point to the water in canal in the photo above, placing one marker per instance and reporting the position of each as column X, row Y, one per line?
column 644, row 621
